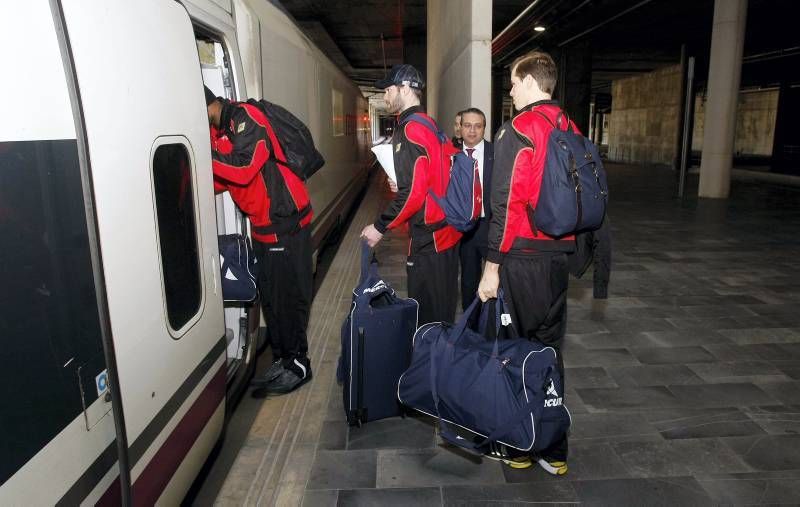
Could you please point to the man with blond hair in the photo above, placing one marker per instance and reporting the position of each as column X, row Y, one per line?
column 530, row 266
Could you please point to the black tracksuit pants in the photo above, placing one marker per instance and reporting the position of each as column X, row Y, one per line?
column 535, row 290
column 472, row 252
column 433, row 282
column 285, row 279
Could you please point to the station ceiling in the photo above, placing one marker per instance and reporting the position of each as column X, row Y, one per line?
column 625, row 37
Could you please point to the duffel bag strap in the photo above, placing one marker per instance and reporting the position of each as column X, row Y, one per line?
column 369, row 264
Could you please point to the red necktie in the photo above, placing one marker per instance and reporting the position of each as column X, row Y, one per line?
column 477, row 189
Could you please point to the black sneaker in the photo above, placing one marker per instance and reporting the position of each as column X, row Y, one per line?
column 269, row 375
column 292, row 377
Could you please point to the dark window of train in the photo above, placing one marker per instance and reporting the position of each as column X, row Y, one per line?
column 172, row 179
column 49, row 322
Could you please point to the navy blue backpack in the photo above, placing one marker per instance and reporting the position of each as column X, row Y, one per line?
column 462, row 200
column 506, row 391
column 574, row 191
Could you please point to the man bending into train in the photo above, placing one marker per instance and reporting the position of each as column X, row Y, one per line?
column 432, row 265
column 276, row 202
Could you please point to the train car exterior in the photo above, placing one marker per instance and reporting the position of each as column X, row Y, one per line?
column 117, row 361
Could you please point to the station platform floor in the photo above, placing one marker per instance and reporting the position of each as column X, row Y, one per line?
column 684, row 385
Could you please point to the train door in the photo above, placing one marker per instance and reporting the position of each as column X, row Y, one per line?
column 241, row 318
column 136, row 68
column 57, row 434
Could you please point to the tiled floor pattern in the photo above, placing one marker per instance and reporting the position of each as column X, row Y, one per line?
column 684, row 385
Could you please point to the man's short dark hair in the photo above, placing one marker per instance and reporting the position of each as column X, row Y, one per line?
column 540, row 66
column 473, row 110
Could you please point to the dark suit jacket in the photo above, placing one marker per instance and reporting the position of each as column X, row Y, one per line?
column 479, row 235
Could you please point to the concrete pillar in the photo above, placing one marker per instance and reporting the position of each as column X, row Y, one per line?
column 459, row 69
column 598, row 127
column 727, row 44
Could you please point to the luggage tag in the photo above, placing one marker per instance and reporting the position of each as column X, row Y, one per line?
column 505, row 319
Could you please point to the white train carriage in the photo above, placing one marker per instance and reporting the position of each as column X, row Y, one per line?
column 114, row 366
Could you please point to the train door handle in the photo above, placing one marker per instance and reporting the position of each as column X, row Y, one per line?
column 214, row 272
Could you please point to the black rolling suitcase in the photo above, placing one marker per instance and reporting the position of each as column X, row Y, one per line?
column 376, row 346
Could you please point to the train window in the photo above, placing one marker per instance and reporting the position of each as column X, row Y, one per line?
column 338, row 113
column 177, row 232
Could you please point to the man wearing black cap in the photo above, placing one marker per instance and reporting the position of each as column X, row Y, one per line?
column 419, row 161
column 244, row 152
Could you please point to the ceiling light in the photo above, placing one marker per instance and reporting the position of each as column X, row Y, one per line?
column 539, row 28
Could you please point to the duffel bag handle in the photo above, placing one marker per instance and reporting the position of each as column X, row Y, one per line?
column 369, row 263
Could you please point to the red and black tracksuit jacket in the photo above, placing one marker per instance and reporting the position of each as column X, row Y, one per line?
column 420, row 165
column 244, row 152
column 520, row 148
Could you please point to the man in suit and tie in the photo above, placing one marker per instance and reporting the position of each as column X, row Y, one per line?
column 473, row 243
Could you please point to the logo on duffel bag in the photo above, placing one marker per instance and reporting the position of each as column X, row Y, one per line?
column 556, row 400
column 375, row 288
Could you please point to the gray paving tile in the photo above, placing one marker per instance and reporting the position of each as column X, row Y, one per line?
column 654, row 375
column 395, row 432
column 790, row 368
column 738, row 371
column 343, row 469
column 639, row 325
column 792, row 350
column 767, row 452
column 628, row 398
column 767, row 352
column 333, row 436
column 651, row 459
column 777, row 420
column 707, row 456
column 787, row 393
column 586, row 461
column 684, row 337
column 621, row 341
column 588, row 377
column 762, row 335
column 722, row 395
column 719, row 311
column 684, row 423
column 511, row 494
column 704, row 322
column 399, row 497
column 320, row 498
column 418, row 468
column 599, row 427
column 668, row 492
column 742, row 489
column 672, row 355
column 579, row 356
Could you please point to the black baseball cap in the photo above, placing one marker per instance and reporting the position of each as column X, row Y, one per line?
column 402, row 75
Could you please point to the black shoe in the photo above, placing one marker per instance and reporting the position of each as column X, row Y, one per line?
column 290, row 379
column 269, row 375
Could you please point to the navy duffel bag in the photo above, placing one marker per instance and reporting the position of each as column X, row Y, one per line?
column 506, row 391
column 238, row 268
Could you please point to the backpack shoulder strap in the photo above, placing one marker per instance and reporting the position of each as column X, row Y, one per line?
column 427, row 124
column 559, row 119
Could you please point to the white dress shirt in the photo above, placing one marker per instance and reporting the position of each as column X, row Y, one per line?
column 480, row 148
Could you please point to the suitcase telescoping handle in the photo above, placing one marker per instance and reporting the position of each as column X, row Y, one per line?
column 361, row 411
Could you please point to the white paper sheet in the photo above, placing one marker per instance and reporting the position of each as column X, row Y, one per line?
column 385, row 156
